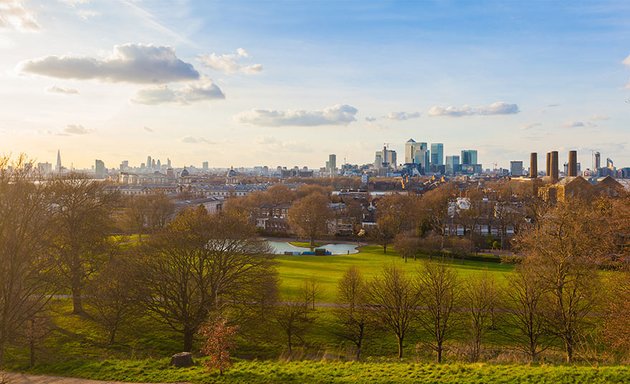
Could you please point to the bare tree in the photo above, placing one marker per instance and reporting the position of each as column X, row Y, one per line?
column 480, row 296
column 617, row 313
column 407, row 245
column 82, row 223
column 395, row 214
column 393, row 302
column 438, row 290
column 293, row 319
column 115, row 295
column 352, row 309
column 25, row 267
column 564, row 250
column 309, row 216
column 312, row 291
column 148, row 213
column 202, row 263
column 525, row 321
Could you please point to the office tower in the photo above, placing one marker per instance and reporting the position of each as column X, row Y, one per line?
column 533, row 165
column 58, row 161
column 332, row 164
column 149, row 162
column 378, row 159
column 516, row 168
column 437, row 154
column 204, row 165
column 153, row 164
column 572, row 168
column 385, row 158
column 609, row 164
column 598, row 161
column 99, row 169
column 410, row 151
column 469, row 156
column 44, row 168
column 159, row 164
column 168, row 163
column 124, row 165
column 452, row 164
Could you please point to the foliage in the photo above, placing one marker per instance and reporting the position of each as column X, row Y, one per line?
column 218, row 339
column 309, row 216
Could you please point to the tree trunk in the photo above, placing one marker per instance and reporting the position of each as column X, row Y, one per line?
column 188, row 340
column 77, row 302
column 439, row 353
column 569, row 351
column 385, row 248
column 400, row 347
column 112, row 335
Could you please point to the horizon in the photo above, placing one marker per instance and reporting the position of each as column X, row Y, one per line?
column 286, row 83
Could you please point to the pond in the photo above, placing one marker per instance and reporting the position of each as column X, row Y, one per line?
column 280, row 247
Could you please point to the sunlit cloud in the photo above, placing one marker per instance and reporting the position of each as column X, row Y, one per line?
column 498, row 108
column 14, row 15
column 76, row 129
column 188, row 94
column 132, row 63
column 335, row 115
column 230, row 63
column 401, row 116
column 63, row 91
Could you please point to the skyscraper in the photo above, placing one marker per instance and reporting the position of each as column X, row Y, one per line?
column 58, row 161
column 149, row 162
column 99, row 169
column 452, row 165
column 469, row 156
column 437, row 154
column 331, row 165
column 411, row 147
column 516, row 168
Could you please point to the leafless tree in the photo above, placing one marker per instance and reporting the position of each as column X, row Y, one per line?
column 439, row 291
column 393, row 302
column 293, row 319
column 312, row 291
column 202, row 263
column 82, row 222
column 480, row 297
column 25, row 267
column 407, row 245
column 309, row 216
column 148, row 213
column 352, row 310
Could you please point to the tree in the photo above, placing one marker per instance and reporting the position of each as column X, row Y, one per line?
column 309, row 216
column 218, row 339
column 293, row 319
column 393, row 302
column 564, row 251
column 438, row 290
column 525, row 322
column 352, row 309
column 148, row 213
column 617, row 313
column 199, row 264
column 25, row 265
column 407, row 245
column 480, row 296
column 433, row 208
column 395, row 214
column 311, row 290
column 115, row 295
column 82, row 222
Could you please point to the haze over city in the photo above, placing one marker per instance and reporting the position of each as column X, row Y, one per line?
column 286, row 83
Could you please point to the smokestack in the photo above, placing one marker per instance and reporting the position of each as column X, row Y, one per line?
column 548, row 169
column 572, row 163
column 554, row 166
column 533, row 165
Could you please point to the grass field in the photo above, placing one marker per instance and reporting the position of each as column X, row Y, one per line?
column 345, row 372
column 327, row 270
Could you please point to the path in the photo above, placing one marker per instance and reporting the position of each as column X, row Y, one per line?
column 20, row 378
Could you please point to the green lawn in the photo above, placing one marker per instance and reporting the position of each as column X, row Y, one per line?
column 158, row 370
column 370, row 260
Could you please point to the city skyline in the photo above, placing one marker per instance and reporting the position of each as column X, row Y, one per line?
column 245, row 84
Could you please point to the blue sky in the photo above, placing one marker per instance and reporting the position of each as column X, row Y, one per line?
column 287, row 82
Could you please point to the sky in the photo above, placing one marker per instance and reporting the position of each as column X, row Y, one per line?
column 246, row 83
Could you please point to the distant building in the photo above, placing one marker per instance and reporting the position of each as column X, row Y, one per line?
column 59, row 166
column 452, row 165
column 516, row 168
column 204, row 165
column 437, row 154
column 45, row 168
column 385, row 158
column 99, row 169
column 331, row 165
column 469, row 157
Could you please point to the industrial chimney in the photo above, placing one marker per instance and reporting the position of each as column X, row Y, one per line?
column 572, row 171
column 548, row 165
column 554, row 166
column 533, row 165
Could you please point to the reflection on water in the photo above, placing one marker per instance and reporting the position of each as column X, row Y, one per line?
column 280, row 247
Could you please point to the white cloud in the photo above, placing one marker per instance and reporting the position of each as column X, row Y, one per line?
column 230, row 62
column 185, row 95
column 400, row 116
column 336, row 115
column 627, row 61
column 195, row 140
column 370, row 119
column 14, row 15
column 76, row 129
column 148, row 129
column 498, row 108
column 133, row 63
column 63, row 91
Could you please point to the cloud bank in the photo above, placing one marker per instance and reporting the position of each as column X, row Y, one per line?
column 132, row 63
column 76, row 129
column 401, row 116
column 13, row 15
column 191, row 93
column 230, row 62
column 63, row 91
column 336, row 115
column 498, row 108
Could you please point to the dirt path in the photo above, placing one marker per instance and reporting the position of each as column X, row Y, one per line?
column 20, row 378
